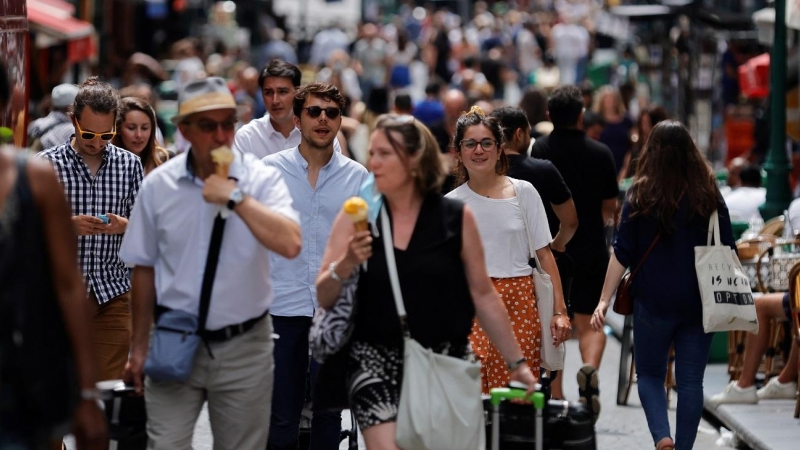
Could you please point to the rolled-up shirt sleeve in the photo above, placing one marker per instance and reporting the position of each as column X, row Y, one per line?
column 625, row 240
column 139, row 245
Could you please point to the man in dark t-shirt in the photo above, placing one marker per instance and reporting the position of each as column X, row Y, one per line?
column 588, row 169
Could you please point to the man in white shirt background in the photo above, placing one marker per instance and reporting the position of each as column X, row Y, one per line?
column 743, row 201
column 275, row 131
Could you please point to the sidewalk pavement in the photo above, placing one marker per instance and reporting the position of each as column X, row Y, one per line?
column 768, row 425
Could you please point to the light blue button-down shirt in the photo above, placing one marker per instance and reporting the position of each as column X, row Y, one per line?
column 294, row 280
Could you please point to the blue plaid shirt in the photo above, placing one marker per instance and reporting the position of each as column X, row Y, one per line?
column 112, row 190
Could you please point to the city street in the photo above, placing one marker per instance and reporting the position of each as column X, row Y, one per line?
column 619, row 427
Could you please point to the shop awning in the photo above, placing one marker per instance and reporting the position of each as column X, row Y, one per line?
column 54, row 18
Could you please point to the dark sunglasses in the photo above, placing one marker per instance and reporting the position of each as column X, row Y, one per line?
column 210, row 126
column 330, row 112
column 90, row 135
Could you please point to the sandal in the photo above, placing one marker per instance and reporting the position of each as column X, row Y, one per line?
column 665, row 444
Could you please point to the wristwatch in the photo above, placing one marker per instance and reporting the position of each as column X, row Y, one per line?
column 237, row 197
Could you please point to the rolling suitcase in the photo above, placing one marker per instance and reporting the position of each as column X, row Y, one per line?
column 126, row 417
column 498, row 395
column 567, row 426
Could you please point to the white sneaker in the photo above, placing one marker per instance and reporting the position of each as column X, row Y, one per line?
column 777, row 390
column 735, row 394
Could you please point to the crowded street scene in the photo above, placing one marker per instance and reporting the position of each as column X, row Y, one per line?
column 399, row 224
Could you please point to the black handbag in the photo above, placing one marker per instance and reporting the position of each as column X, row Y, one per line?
column 567, row 425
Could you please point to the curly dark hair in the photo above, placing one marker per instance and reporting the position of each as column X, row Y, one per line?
column 670, row 167
column 325, row 91
column 473, row 118
column 100, row 96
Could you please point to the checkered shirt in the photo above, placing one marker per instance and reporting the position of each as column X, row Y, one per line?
column 112, row 190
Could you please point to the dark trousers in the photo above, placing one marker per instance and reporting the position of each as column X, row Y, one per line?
column 289, row 393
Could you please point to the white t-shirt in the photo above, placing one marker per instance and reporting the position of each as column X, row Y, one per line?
column 502, row 228
column 743, row 202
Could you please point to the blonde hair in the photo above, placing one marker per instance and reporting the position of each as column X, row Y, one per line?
column 419, row 142
column 602, row 93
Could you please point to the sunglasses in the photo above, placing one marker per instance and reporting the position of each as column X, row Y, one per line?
column 472, row 144
column 210, row 126
column 90, row 135
column 330, row 112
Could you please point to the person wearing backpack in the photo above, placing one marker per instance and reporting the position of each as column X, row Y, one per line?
column 56, row 127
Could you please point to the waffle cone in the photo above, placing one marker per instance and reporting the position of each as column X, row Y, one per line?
column 222, row 170
column 361, row 225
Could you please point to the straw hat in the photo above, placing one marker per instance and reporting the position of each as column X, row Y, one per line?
column 206, row 94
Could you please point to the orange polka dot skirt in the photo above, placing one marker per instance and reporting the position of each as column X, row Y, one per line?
column 517, row 294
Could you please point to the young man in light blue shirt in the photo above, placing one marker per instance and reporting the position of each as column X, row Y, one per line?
column 320, row 180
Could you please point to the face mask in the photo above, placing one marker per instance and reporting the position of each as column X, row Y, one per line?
column 373, row 198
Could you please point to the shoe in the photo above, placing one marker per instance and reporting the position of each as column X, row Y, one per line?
column 735, row 394
column 777, row 390
column 589, row 390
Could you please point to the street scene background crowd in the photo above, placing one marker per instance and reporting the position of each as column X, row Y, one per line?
column 529, row 130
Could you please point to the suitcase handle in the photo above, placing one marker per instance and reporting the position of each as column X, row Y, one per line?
column 500, row 394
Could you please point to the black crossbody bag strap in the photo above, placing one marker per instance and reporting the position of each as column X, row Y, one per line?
column 209, row 275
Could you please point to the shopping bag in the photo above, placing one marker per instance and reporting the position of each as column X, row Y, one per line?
column 724, row 286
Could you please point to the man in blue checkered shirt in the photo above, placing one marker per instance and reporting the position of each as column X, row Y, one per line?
column 101, row 182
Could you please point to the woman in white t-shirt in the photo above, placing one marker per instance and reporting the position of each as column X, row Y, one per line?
column 501, row 206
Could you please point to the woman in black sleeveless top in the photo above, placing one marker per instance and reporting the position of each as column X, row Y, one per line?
column 441, row 269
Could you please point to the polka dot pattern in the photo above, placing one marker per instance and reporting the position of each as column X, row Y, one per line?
column 517, row 294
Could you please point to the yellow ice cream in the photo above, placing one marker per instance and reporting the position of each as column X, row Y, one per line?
column 356, row 210
column 222, row 157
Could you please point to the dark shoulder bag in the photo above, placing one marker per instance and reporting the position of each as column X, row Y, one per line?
column 624, row 303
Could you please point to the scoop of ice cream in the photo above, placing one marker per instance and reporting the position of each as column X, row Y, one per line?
column 356, row 209
column 222, row 155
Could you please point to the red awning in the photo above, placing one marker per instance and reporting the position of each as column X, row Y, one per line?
column 55, row 19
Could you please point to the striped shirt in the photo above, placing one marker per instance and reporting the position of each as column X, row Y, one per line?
column 112, row 190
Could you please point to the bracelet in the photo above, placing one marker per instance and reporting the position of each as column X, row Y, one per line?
column 514, row 365
column 91, row 394
column 558, row 313
column 332, row 270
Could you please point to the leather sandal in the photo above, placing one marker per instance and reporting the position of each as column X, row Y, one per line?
column 665, row 444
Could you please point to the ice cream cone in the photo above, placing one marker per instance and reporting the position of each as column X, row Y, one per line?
column 222, row 157
column 356, row 210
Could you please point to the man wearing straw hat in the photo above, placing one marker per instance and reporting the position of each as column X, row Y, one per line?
column 168, row 241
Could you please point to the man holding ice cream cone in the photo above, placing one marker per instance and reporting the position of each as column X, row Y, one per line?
column 169, row 240
column 320, row 180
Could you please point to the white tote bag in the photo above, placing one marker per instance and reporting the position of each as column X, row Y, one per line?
column 552, row 356
column 724, row 286
column 440, row 398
